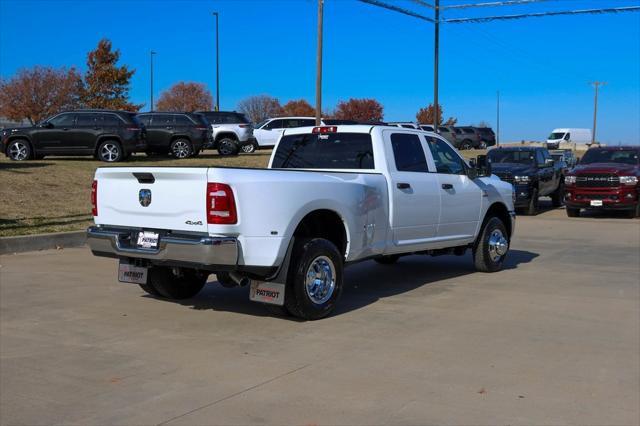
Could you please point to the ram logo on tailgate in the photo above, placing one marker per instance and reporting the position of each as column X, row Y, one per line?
column 144, row 196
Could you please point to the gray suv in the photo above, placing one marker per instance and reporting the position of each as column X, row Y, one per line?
column 232, row 132
column 469, row 138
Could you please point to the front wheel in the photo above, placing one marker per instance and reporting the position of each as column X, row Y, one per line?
column 491, row 246
column 19, row 150
column 465, row 145
column 249, row 148
column 314, row 282
column 110, row 152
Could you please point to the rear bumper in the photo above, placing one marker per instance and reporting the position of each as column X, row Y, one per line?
column 201, row 250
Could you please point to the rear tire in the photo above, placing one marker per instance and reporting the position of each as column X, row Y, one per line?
column 573, row 212
column 227, row 146
column 249, row 148
column 181, row 148
column 387, row 260
column 491, row 246
column 632, row 214
column 466, row 144
column 150, row 289
column 178, row 287
column 314, row 281
column 110, row 152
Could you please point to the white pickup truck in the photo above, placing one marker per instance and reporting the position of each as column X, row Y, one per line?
column 331, row 196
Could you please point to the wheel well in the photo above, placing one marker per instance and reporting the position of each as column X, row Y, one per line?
column 180, row 137
column 500, row 211
column 325, row 224
column 230, row 135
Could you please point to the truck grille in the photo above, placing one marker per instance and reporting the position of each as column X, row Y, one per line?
column 507, row 177
column 598, row 181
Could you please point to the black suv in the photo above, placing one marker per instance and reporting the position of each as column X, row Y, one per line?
column 107, row 135
column 179, row 134
column 532, row 172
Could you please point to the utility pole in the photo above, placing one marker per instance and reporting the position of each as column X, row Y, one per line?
column 436, row 106
column 217, row 65
column 319, row 65
column 595, row 84
column 498, row 117
column 151, row 53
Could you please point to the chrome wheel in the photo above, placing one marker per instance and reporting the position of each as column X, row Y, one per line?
column 227, row 147
column 248, row 148
column 18, row 151
column 320, row 280
column 181, row 149
column 109, row 152
column 498, row 245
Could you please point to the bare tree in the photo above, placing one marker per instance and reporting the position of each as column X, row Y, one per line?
column 186, row 97
column 39, row 92
column 260, row 107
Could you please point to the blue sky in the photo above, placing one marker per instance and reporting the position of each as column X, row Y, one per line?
column 542, row 66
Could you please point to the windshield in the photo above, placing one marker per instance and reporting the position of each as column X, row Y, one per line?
column 554, row 136
column 504, row 156
column 626, row 156
column 326, row 151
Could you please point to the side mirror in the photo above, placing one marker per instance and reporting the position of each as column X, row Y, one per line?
column 549, row 162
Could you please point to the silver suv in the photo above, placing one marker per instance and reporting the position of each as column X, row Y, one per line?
column 232, row 132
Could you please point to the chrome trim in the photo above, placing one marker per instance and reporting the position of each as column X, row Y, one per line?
column 199, row 249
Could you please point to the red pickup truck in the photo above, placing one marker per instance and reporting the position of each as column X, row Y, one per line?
column 606, row 178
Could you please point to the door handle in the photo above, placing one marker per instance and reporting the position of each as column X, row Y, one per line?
column 447, row 186
column 403, row 185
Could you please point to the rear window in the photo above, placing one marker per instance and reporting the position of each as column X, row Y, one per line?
column 327, row 151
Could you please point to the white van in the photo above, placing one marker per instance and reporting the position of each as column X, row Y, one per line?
column 578, row 136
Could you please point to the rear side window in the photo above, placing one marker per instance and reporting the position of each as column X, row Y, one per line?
column 183, row 120
column 85, row 119
column 297, row 122
column 144, row 119
column 162, row 120
column 327, row 151
column 467, row 130
column 443, row 129
column 110, row 119
column 408, row 153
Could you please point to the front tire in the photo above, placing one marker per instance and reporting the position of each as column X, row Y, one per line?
column 557, row 198
column 19, row 150
column 465, row 145
column 110, row 152
column 249, row 148
column 227, row 146
column 532, row 207
column 314, row 283
column 181, row 148
column 184, row 285
column 491, row 246
column 573, row 212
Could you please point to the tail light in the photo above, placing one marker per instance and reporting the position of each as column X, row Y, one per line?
column 133, row 129
column 221, row 206
column 202, row 128
column 323, row 130
column 94, row 198
column 242, row 126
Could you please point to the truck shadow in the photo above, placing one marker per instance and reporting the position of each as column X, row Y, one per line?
column 365, row 283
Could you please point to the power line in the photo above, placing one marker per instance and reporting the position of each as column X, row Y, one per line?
column 425, row 4
column 397, row 9
column 492, row 4
column 541, row 14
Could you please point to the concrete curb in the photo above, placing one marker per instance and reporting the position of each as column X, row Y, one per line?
column 9, row 245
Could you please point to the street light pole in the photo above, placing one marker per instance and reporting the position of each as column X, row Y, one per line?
column 151, row 53
column 498, row 118
column 217, row 65
column 319, row 65
column 595, row 84
column 436, row 107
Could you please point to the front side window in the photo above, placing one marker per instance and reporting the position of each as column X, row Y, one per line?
column 325, row 151
column 62, row 120
column 275, row 124
column 85, row 119
column 567, row 136
column 408, row 153
column 298, row 122
column 540, row 158
column 446, row 159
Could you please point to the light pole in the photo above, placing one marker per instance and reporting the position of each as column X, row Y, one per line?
column 319, row 65
column 595, row 84
column 436, row 48
column 217, row 65
column 151, row 53
column 498, row 117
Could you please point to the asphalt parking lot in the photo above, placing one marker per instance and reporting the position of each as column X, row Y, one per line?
column 553, row 339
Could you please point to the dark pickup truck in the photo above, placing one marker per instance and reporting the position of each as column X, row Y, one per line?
column 606, row 178
column 532, row 172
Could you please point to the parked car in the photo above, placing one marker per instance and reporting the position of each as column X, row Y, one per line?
column 568, row 156
column 532, row 172
column 487, row 137
column 579, row 136
column 181, row 135
column 232, row 132
column 449, row 134
column 269, row 131
column 335, row 195
column 606, row 178
column 469, row 138
column 109, row 136
column 559, row 158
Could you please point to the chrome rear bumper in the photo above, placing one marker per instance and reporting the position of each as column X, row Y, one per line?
column 201, row 250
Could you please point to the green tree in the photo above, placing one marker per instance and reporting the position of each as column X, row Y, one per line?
column 106, row 83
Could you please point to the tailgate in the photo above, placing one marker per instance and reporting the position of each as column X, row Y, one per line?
column 177, row 197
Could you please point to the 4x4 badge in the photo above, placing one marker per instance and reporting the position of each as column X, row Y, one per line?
column 144, row 196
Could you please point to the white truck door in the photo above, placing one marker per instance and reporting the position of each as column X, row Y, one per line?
column 461, row 197
column 414, row 194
